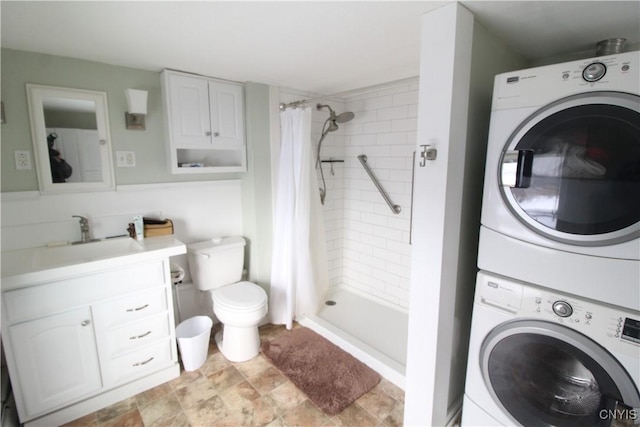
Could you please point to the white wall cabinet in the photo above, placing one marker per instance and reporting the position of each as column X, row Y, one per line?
column 79, row 344
column 205, row 123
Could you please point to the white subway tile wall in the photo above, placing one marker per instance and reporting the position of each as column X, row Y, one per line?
column 367, row 244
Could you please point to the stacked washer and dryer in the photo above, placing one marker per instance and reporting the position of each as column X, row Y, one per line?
column 555, row 336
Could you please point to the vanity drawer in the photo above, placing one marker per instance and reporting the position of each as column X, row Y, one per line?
column 139, row 334
column 140, row 362
column 57, row 297
column 133, row 307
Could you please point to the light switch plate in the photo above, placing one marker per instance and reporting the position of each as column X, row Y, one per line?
column 126, row 159
column 23, row 160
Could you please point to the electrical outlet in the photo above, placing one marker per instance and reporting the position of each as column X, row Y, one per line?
column 23, row 160
column 126, row 159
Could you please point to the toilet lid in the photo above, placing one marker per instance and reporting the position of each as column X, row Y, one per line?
column 240, row 296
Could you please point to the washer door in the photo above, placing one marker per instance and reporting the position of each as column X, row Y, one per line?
column 571, row 171
column 545, row 374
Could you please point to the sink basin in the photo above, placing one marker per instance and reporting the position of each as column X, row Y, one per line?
column 45, row 257
column 29, row 266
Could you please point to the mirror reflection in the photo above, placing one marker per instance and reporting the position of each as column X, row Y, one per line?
column 71, row 141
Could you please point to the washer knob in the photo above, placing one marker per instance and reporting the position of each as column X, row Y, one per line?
column 562, row 308
column 594, row 72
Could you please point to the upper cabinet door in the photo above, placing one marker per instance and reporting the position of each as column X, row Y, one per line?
column 205, row 119
column 227, row 112
column 189, row 111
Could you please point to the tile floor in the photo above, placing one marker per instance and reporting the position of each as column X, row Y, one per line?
column 253, row 393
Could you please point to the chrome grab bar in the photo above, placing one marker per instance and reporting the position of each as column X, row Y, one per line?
column 396, row 209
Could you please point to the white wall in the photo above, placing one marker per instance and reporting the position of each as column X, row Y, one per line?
column 199, row 210
column 376, row 252
column 453, row 117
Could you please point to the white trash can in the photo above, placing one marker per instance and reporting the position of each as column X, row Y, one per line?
column 193, row 341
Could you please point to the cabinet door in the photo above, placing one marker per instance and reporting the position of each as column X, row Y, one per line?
column 227, row 114
column 56, row 358
column 189, row 111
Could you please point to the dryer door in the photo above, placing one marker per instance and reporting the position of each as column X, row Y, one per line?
column 545, row 374
column 571, row 171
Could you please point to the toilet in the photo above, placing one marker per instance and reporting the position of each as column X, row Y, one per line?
column 216, row 265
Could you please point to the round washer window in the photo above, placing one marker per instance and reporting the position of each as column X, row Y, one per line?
column 545, row 374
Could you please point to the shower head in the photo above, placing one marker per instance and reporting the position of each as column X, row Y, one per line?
column 330, row 125
column 344, row 117
column 337, row 118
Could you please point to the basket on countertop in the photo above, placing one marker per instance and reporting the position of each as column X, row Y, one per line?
column 157, row 227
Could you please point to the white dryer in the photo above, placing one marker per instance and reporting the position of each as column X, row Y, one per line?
column 561, row 203
column 544, row 358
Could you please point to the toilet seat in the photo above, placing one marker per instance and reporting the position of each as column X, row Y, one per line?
column 241, row 296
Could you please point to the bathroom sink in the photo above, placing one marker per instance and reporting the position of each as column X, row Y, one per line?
column 25, row 267
column 45, row 257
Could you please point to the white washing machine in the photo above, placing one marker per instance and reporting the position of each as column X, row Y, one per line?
column 561, row 203
column 545, row 358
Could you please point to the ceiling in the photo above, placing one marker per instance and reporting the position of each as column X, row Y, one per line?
column 322, row 47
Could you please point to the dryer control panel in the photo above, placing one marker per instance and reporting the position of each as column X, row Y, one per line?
column 535, row 87
column 614, row 328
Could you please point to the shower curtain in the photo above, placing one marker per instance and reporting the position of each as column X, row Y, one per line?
column 299, row 267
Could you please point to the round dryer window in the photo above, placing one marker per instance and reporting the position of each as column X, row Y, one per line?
column 571, row 171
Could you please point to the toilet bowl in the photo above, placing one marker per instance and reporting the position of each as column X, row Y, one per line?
column 216, row 267
column 239, row 307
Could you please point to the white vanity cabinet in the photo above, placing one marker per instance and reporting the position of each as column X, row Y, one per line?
column 205, row 123
column 79, row 343
column 58, row 360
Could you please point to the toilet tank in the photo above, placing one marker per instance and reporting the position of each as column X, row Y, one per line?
column 216, row 262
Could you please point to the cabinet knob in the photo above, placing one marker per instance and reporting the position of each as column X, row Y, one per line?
column 216, row 134
column 85, row 322
column 207, row 133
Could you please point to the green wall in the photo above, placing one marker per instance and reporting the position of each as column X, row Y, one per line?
column 257, row 219
column 20, row 68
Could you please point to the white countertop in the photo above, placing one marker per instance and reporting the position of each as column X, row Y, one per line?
column 24, row 267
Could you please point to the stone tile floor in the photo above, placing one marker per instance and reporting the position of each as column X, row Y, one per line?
column 252, row 393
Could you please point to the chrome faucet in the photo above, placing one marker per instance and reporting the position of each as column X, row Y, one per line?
column 85, row 235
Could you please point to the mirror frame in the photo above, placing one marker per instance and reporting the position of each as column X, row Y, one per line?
column 35, row 97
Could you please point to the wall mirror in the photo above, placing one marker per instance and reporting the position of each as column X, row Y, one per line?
column 71, row 139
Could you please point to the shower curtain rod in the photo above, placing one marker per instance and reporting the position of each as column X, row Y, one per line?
column 296, row 104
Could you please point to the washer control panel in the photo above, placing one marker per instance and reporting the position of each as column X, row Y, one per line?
column 611, row 326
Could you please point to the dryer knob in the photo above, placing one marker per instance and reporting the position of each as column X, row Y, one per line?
column 594, row 72
column 562, row 308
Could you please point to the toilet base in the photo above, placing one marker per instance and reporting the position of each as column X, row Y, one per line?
column 238, row 344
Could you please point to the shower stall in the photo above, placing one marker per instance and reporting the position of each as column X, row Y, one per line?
column 368, row 244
